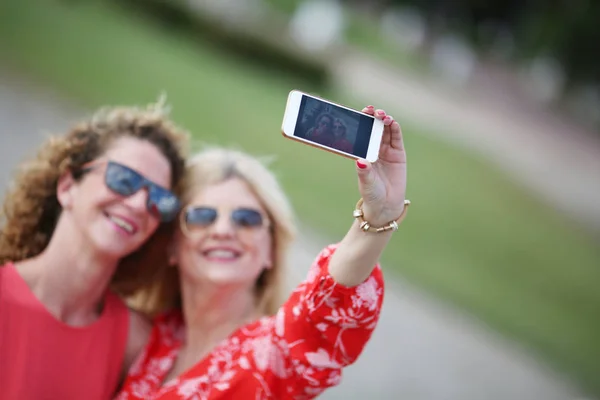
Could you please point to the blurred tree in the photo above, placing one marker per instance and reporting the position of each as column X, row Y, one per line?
column 565, row 30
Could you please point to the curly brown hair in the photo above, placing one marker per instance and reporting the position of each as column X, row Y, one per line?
column 325, row 114
column 31, row 208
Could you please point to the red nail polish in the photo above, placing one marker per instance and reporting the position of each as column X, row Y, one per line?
column 361, row 165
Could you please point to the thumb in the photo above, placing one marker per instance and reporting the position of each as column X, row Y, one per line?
column 366, row 177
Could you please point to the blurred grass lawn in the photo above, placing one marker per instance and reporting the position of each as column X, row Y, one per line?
column 472, row 236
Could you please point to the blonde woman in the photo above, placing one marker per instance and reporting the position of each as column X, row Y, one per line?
column 340, row 141
column 225, row 334
column 84, row 223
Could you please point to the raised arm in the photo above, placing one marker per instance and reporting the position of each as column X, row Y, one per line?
column 330, row 317
column 382, row 186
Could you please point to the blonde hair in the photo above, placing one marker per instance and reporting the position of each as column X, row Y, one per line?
column 31, row 209
column 214, row 165
column 343, row 124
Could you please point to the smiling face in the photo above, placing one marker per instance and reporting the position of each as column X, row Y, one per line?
column 111, row 224
column 325, row 124
column 339, row 129
column 226, row 251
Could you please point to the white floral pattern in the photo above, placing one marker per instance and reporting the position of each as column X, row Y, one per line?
column 295, row 354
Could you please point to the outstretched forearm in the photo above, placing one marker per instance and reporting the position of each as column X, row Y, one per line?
column 382, row 186
column 356, row 255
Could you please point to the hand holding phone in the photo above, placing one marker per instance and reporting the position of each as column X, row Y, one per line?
column 332, row 127
column 371, row 131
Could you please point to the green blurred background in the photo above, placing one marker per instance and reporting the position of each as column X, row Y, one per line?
column 474, row 238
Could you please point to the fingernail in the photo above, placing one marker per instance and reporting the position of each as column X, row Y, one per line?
column 360, row 164
column 381, row 113
column 370, row 107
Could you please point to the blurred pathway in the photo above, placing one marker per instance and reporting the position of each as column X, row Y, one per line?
column 421, row 350
column 557, row 161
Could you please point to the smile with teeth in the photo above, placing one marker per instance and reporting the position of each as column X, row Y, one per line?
column 126, row 226
column 222, row 254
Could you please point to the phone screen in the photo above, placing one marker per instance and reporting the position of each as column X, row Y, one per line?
column 333, row 126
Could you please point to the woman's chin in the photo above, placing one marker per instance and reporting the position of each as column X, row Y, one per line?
column 108, row 248
column 227, row 274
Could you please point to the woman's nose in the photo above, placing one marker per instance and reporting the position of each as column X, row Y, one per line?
column 223, row 225
column 138, row 201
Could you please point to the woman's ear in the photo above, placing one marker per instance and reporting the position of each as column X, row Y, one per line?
column 64, row 190
column 269, row 259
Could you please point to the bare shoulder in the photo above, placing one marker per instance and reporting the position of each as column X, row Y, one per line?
column 140, row 327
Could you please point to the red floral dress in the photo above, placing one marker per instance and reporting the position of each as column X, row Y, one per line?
column 295, row 354
column 343, row 145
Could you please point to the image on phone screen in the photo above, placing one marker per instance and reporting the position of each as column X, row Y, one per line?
column 333, row 126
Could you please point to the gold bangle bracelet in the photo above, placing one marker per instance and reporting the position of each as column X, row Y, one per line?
column 366, row 226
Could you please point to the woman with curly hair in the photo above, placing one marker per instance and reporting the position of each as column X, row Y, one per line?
column 85, row 222
column 321, row 132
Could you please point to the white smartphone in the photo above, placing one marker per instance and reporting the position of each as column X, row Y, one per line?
column 332, row 127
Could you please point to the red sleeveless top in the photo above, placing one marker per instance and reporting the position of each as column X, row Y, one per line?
column 43, row 358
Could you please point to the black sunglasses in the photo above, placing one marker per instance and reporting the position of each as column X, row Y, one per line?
column 125, row 181
column 203, row 217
